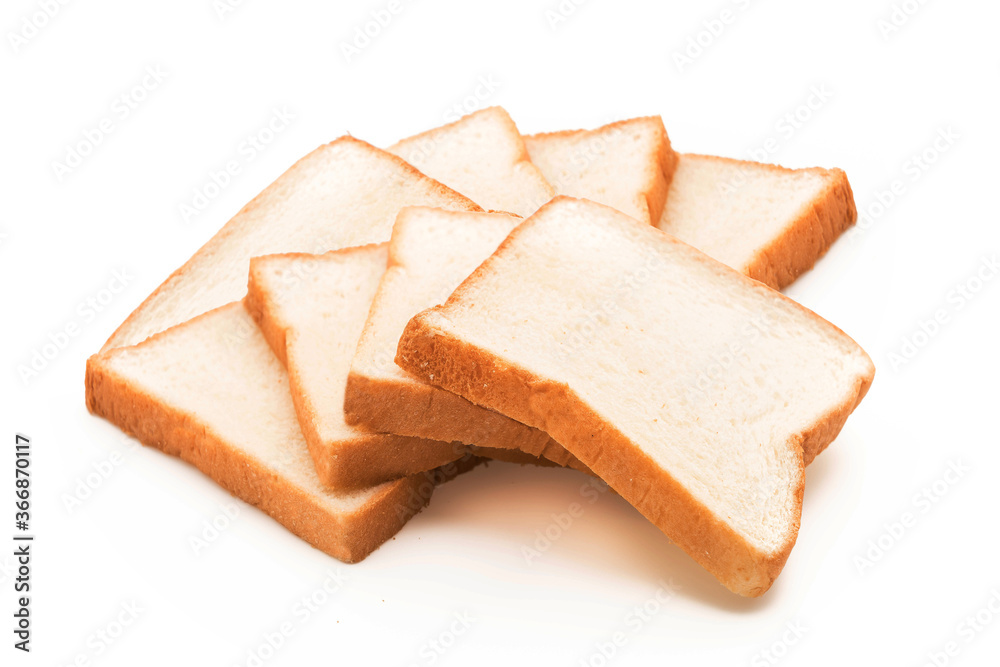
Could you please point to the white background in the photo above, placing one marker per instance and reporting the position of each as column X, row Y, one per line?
column 886, row 98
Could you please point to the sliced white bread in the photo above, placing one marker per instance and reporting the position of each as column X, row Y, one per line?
column 211, row 392
column 345, row 193
column 627, row 165
column 431, row 252
column 311, row 310
column 483, row 156
column 766, row 221
column 763, row 220
column 599, row 332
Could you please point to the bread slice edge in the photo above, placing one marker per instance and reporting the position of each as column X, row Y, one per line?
column 369, row 459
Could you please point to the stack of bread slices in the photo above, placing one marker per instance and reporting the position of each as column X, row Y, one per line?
column 377, row 321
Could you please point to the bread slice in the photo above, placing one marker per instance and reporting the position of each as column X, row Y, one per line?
column 695, row 392
column 431, row 252
column 483, row 156
column 346, row 193
column 211, row 392
column 766, row 221
column 311, row 310
column 627, row 165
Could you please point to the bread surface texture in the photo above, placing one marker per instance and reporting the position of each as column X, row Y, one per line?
column 697, row 393
column 345, row 193
column 311, row 310
column 483, row 156
column 431, row 252
column 763, row 220
column 627, row 165
column 211, row 392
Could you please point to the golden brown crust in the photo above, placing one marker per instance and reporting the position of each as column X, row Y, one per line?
column 362, row 461
column 656, row 197
column 116, row 339
column 262, row 312
column 349, row 538
column 487, row 380
column 423, row 411
column 512, row 456
column 807, row 238
column 659, row 176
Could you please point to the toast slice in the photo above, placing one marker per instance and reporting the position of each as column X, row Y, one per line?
column 431, row 252
column 627, row 165
column 697, row 393
column 311, row 310
column 483, row 156
column 211, row 392
column 345, row 193
column 763, row 220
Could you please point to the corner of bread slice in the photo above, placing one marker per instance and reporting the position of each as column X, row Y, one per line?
column 210, row 392
column 766, row 221
column 310, row 309
column 344, row 193
column 627, row 165
column 809, row 234
column 483, row 156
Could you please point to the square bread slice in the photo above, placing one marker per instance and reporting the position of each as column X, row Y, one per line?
column 430, row 253
column 211, row 392
column 627, row 165
column 483, row 156
column 695, row 392
column 311, row 310
column 763, row 220
column 346, row 193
